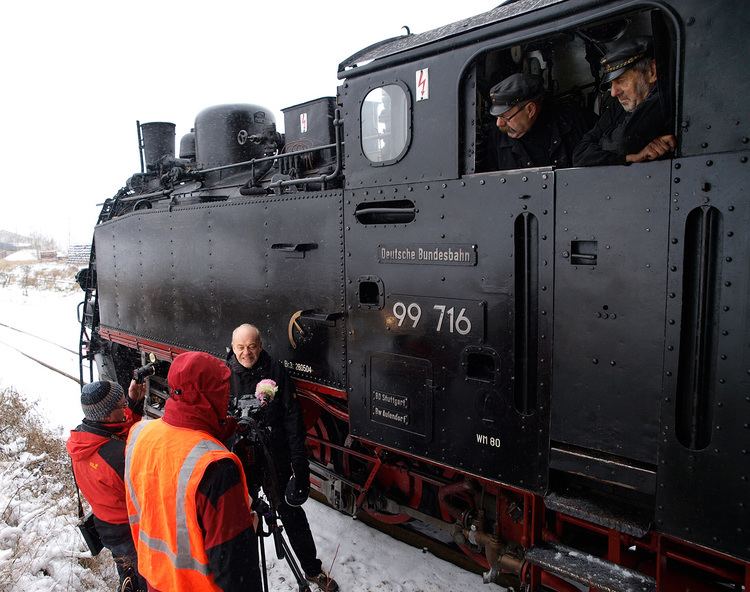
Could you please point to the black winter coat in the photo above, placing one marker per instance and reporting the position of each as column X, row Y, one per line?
column 550, row 142
column 619, row 133
column 283, row 415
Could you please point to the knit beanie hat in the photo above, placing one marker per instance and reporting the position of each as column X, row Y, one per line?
column 100, row 398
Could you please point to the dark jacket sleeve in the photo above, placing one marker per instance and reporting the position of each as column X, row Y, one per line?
column 293, row 423
column 230, row 540
column 589, row 152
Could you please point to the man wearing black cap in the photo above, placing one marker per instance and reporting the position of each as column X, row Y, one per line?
column 636, row 127
column 97, row 450
column 532, row 131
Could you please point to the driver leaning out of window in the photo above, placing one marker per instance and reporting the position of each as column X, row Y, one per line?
column 635, row 127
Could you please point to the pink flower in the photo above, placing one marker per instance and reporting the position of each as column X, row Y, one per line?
column 266, row 390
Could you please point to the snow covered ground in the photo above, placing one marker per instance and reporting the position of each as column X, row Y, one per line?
column 36, row 521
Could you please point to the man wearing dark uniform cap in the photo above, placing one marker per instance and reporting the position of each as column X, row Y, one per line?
column 532, row 131
column 636, row 127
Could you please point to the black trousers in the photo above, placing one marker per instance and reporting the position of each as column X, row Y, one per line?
column 294, row 519
column 118, row 539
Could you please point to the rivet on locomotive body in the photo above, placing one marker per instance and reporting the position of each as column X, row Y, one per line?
column 502, row 180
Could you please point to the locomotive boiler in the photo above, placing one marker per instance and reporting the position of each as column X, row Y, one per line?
column 546, row 369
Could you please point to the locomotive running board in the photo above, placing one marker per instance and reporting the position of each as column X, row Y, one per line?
column 591, row 511
column 581, row 567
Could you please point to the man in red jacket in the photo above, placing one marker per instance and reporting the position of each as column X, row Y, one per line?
column 97, row 449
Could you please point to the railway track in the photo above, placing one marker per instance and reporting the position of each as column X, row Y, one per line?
column 17, row 330
column 35, row 359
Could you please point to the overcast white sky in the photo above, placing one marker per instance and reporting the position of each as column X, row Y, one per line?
column 77, row 74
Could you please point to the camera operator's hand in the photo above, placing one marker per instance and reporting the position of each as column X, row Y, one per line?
column 298, row 488
column 136, row 391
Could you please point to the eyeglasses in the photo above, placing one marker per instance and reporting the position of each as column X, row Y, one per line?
column 508, row 119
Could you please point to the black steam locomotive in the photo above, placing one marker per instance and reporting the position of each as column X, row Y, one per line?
column 548, row 369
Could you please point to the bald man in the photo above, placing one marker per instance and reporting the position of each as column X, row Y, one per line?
column 250, row 364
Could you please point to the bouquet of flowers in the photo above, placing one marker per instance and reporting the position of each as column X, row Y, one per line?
column 266, row 390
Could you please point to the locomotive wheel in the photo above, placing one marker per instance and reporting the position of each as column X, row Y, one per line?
column 325, row 429
column 392, row 481
column 466, row 548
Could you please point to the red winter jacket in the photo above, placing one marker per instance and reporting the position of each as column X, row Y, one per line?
column 98, row 454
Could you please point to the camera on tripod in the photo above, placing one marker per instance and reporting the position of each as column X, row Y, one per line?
column 252, row 446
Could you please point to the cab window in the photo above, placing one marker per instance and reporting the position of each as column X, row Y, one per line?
column 385, row 124
column 568, row 64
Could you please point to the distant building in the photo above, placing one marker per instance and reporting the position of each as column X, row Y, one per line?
column 79, row 254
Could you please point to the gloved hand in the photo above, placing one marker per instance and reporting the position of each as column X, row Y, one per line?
column 298, row 488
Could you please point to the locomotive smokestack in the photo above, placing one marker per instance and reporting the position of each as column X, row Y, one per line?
column 158, row 141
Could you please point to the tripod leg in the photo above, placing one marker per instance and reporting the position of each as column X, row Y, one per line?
column 294, row 566
column 264, row 571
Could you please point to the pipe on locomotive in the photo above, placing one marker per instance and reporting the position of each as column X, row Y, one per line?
column 338, row 145
column 337, row 123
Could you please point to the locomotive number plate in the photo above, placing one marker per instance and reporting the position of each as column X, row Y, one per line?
column 447, row 317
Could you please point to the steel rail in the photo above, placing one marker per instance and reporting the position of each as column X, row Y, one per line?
column 41, row 363
column 39, row 338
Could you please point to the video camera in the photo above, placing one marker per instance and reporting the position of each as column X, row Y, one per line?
column 142, row 373
column 249, row 407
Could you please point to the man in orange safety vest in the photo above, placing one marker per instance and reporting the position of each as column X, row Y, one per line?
column 187, row 496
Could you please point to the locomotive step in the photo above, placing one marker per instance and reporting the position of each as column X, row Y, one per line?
column 576, row 565
column 590, row 510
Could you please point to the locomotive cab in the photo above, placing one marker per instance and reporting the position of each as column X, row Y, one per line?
column 525, row 324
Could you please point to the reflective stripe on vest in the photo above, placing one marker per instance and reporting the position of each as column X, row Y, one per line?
column 183, row 559
column 133, row 436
